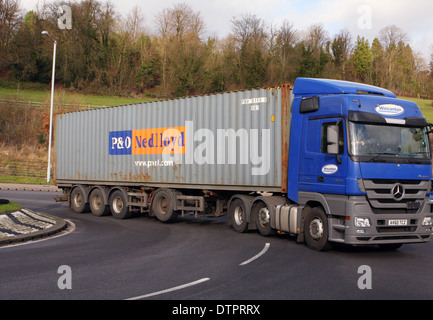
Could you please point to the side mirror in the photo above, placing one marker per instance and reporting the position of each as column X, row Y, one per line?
column 333, row 138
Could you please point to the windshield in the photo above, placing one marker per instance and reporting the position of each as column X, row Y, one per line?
column 374, row 142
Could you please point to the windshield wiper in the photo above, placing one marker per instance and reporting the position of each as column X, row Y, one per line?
column 414, row 154
column 378, row 154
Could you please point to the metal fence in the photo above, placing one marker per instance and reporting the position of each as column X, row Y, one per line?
column 63, row 106
column 21, row 168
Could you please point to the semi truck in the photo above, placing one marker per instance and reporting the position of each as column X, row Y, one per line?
column 325, row 161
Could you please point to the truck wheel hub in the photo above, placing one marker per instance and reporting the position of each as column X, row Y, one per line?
column 316, row 229
column 239, row 215
column 264, row 217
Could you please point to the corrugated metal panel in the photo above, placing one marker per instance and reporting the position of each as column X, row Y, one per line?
column 123, row 145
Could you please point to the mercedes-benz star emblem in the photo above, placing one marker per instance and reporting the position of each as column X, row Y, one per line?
column 398, row 192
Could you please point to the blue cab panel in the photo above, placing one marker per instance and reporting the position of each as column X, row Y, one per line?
column 342, row 103
column 311, row 87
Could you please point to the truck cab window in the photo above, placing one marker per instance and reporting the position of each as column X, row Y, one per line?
column 388, row 141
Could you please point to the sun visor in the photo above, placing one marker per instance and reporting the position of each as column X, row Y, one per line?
column 367, row 117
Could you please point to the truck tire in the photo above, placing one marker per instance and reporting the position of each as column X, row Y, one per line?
column 163, row 202
column 262, row 216
column 78, row 201
column 316, row 229
column 97, row 204
column 119, row 205
column 238, row 216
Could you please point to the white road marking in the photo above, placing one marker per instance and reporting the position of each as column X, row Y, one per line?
column 170, row 290
column 267, row 245
column 68, row 230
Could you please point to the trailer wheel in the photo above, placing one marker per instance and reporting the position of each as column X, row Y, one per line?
column 97, row 205
column 119, row 205
column 316, row 229
column 163, row 205
column 78, row 204
column 262, row 216
column 238, row 215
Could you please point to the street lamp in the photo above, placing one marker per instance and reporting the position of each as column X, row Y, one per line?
column 52, row 102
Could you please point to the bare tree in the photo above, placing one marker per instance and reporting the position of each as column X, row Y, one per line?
column 316, row 38
column 180, row 22
column 10, row 18
column 249, row 29
column 392, row 35
column 181, row 47
column 134, row 23
column 341, row 49
column 285, row 43
column 431, row 62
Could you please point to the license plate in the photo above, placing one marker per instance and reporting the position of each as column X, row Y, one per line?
column 400, row 222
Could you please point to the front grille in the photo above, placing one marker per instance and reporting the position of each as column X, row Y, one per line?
column 405, row 196
column 395, row 229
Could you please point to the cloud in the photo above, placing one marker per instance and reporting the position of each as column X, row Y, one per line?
column 412, row 16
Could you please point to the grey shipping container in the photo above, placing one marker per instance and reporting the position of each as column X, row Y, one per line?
column 228, row 141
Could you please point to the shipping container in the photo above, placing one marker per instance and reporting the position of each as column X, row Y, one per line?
column 235, row 141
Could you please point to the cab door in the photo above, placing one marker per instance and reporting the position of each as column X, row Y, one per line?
column 321, row 171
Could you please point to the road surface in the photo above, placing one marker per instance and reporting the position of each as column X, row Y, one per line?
column 142, row 258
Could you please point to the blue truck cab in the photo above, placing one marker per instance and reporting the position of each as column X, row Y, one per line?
column 359, row 166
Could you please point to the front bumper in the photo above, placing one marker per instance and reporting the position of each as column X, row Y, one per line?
column 380, row 231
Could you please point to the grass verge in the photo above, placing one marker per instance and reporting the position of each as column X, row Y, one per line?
column 426, row 107
column 10, row 207
column 65, row 97
column 23, row 180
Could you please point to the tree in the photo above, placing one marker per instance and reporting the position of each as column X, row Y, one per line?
column 316, row 39
column 133, row 25
column 390, row 36
column 10, row 19
column 309, row 65
column 182, row 49
column 362, row 59
column 341, row 48
column 314, row 52
column 106, row 53
column 284, row 53
column 148, row 74
column 30, row 62
column 431, row 63
column 249, row 32
column 378, row 64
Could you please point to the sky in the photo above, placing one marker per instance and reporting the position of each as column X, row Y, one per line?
column 365, row 18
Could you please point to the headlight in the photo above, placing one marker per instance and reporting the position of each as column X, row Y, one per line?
column 362, row 222
column 427, row 221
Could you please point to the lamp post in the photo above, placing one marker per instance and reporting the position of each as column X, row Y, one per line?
column 51, row 109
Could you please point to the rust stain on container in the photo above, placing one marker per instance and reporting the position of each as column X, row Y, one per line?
column 285, row 113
